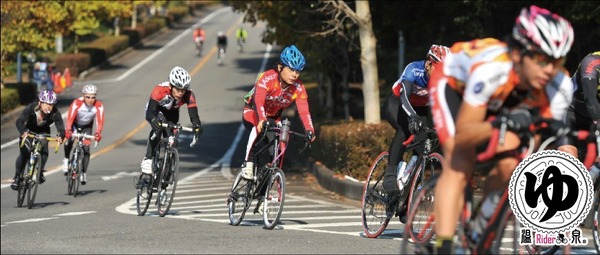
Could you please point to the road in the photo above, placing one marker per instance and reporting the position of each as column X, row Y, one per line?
column 102, row 219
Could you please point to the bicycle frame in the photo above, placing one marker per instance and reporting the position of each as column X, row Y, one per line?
column 76, row 161
column 29, row 177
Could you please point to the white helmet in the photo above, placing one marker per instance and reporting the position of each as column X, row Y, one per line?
column 220, row 33
column 538, row 29
column 89, row 89
column 180, row 78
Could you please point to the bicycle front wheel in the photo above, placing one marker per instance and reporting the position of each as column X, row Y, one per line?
column 23, row 187
column 274, row 198
column 420, row 220
column 239, row 199
column 420, row 228
column 77, row 171
column 375, row 216
column 168, row 182
column 144, row 196
column 34, row 180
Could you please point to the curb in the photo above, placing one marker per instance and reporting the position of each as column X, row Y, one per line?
column 329, row 181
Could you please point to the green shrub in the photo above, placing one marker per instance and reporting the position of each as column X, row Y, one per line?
column 75, row 62
column 178, row 12
column 10, row 99
column 350, row 147
column 104, row 47
column 15, row 94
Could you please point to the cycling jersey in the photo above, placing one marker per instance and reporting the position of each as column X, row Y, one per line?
column 587, row 81
column 416, row 74
column 198, row 33
column 33, row 120
column 269, row 99
column 161, row 100
column 82, row 115
column 481, row 73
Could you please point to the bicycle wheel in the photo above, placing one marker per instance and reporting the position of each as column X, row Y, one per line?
column 420, row 228
column 420, row 221
column 274, row 198
column 77, row 171
column 168, row 185
column 23, row 187
column 375, row 217
column 144, row 196
column 596, row 211
column 239, row 199
column 34, row 181
column 69, row 177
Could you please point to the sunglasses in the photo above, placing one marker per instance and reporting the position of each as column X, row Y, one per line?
column 89, row 97
column 543, row 60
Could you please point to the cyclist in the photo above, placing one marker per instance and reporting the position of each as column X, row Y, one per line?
column 83, row 113
column 483, row 77
column 275, row 90
column 222, row 41
column 163, row 106
column 410, row 94
column 240, row 35
column 198, row 36
column 37, row 117
column 585, row 109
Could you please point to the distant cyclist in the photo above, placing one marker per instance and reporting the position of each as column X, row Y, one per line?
column 407, row 107
column 222, row 41
column 163, row 106
column 83, row 113
column 274, row 91
column 198, row 36
column 240, row 35
column 37, row 117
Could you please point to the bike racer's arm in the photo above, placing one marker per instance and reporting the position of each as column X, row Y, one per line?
column 58, row 122
column 405, row 91
column 193, row 109
column 99, row 116
column 590, row 84
column 21, row 122
column 303, row 109
column 72, row 113
column 151, row 110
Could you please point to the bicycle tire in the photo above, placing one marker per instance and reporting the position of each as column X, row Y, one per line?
column 375, row 216
column 23, row 187
column 596, row 220
column 424, row 208
column 78, row 172
column 239, row 199
column 274, row 198
column 424, row 196
column 34, row 180
column 143, row 198
column 168, row 185
column 69, row 177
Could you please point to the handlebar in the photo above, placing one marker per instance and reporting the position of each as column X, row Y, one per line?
column 177, row 126
column 273, row 128
column 84, row 135
column 40, row 137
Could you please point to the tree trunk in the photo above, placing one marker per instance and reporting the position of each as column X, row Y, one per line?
column 134, row 16
column 368, row 62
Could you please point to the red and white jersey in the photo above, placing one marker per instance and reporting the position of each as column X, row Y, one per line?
column 83, row 115
column 482, row 72
column 270, row 98
column 162, row 94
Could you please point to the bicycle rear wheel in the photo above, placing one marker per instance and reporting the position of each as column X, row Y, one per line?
column 34, row 181
column 23, row 187
column 375, row 216
column 239, row 199
column 274, row 198
column 420, row 227
column 420, row 221
column 168, row 185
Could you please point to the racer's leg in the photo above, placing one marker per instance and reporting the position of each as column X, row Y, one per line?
column 396, row 149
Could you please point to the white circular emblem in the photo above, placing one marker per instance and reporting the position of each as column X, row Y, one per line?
column 550, row 192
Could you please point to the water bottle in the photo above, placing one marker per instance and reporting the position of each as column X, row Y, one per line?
column 285, row 129
column 400, row 171
column 485, row 213
column 406, row 172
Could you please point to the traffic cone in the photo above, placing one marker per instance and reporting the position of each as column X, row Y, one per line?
column 63, row 81
column 56, row 80
column 67, row 76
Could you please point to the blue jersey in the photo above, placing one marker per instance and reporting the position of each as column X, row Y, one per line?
column 414, row 73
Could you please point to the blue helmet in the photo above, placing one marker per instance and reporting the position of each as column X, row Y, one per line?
column 292, row 57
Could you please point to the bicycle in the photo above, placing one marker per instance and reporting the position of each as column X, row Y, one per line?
column 198, row 46
column 76, row 162
column 268, row 184
column 376, row 211
column 493, row 238
column 165, row 171
column 220, row 55
column 29, row 178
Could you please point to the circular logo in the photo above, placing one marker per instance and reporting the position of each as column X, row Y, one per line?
column 550, row 192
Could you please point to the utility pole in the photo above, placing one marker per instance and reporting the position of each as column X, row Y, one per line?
column 400, row 52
